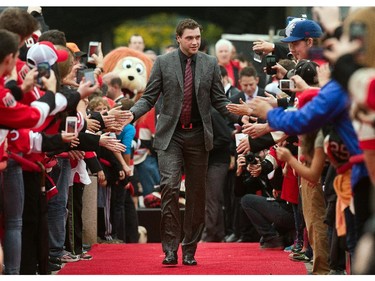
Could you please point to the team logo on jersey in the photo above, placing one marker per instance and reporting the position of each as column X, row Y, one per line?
column 9, row 100
column 14, row 135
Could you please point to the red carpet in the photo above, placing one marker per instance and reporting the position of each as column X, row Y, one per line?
column 213, row 259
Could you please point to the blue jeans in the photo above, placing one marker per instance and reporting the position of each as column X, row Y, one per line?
column 299, row 223
column 148, row 173
column 13, row 208
column 57, row 211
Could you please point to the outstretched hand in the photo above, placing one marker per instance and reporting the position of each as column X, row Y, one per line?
column 261, row 46
column 111, row 143
column 256, row 130
column 333, row 48
column 127, row 117
column 240, row 109
column 85, row 88
column 70, row 137
column 260, row 107
column 271, row 99
column 243, row 146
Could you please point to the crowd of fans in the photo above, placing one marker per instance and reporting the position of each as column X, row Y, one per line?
column 297, row 177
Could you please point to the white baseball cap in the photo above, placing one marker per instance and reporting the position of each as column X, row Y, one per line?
column 45, row 51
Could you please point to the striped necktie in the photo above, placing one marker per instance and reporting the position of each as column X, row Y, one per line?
column 188, row 93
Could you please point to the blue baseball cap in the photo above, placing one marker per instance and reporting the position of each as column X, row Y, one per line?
column 299, row 30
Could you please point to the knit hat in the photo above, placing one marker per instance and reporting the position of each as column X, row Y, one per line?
column 307, row 70
column 45, row 51
column 301, row 29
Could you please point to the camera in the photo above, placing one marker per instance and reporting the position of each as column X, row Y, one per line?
column 286, row 84
column 246, row 183
column 251, row 158
column 44, row 70
column 270, row 62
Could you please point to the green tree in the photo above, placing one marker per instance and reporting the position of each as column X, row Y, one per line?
column 158, row 31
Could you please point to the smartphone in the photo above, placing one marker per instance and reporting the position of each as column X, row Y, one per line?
column 71, row 124
column 357, row 31
column 270, row 61
column 239, row 137
column 44, row 70
column 286, row 84
column 258, row 56
column 79, row 75
column 89, row 75
column 93, row 49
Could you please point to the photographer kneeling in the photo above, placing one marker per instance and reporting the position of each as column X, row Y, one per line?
column 269, row 215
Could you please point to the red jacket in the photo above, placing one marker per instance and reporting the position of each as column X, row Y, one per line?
column 289, row 190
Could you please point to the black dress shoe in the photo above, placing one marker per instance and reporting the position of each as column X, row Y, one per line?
column 170, row 258
column 189, row 260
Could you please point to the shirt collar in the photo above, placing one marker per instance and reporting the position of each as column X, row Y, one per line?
column 184, row 57
column 227, row 87
column 253, row 96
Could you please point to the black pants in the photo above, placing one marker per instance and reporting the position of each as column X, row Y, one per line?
column 124, row 215
column 131, row 219
column 35, row 243
column 74, row 225
column 118, row 211
column 362, row 197
column 229, row 203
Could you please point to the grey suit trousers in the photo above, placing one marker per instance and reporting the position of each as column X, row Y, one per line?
column 187, row 150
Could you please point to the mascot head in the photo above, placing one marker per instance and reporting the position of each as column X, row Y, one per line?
column 133, row 68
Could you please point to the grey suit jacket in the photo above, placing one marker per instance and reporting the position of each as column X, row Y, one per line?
column 166, row 79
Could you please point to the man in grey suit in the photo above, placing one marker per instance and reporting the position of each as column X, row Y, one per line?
column 180, row 143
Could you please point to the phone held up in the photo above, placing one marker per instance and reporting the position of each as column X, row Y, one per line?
column 71, row 124
column 79, row 75
column 44, row 70
column 89, row 75
column 93, row 49
column 258, row 56
column 270, row 62
column 357, row 31
column 286, row 85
